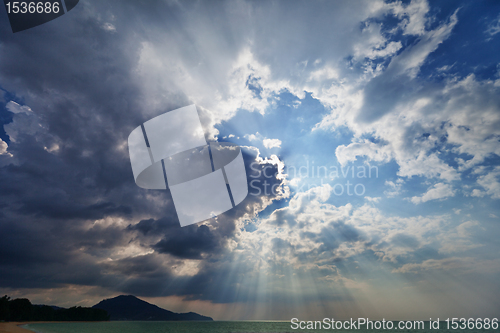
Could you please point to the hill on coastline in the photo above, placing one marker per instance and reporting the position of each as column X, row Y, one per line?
column 128, row 307
column 21, row 309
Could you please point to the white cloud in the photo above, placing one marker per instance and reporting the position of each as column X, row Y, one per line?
column 16, row 108
column 410, row 60
column 447, row 264
column 3, row 147
column 395, row 124
column 427, row 165
column 471, row 109
column 253, row 137
column 438, row 191
column 324, row 73
column 24, row 122
column 395, row 188
column 374, row 200
column 478, row 193
column 413, row 16
column 206, row 66
column 461, row 265
column 161, row 69
column 461, row 112
column 374, row 44
column 389, row 50
column 272, row 143
column 268, row 143
column 490, row 182
column 373, row 151
column 353, row 231
column 109, row 27
column 459, row 239
column 493, row 27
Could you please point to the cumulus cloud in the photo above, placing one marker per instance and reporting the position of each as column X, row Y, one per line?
column 413, row 16
column 3, row 147
column 374, row 152
column 310, row 234
column 271, row 143
column 437, row 191
column 491, row 183
column 395, row 188
column 374, row 200
column 267, row 143
column 461, row 112
column 253, row 137
column 371, row 107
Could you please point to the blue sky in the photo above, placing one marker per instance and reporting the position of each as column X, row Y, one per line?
column 406, row 94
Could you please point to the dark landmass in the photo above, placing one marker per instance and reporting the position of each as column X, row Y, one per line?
column 21, row 309
column 132, row 308
column 52, row 306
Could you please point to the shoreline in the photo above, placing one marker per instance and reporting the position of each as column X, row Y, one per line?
column 15, row 326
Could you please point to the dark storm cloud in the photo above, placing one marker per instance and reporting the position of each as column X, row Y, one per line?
column 189, row 242
column 70, row 167
column 79, row 88
column 198, row 241
column 41, row 260
column 70, row 164
column 154, row 227
column 143, row 267
column 221, row 274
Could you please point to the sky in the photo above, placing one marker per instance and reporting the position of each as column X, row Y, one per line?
column 370, row 133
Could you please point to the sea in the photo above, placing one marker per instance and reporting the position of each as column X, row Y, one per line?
column 216, row 327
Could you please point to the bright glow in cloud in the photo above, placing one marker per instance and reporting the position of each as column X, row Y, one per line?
column 3, row 147
column 16, row 108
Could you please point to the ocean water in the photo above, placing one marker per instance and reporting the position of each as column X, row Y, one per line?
column 216, row 327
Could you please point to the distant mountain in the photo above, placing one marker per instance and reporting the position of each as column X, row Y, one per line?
column 50, row 306
column 132, row 308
